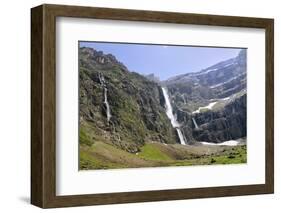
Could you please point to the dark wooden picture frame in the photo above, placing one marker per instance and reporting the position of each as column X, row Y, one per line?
column 43, row 105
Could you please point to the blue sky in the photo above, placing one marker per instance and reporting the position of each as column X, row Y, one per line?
column 164, row 61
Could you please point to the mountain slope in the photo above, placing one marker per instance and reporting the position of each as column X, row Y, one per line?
column 120, row 107
column 221, row 80
column 211, row 104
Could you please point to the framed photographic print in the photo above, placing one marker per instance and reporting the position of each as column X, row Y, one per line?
column 137, row 106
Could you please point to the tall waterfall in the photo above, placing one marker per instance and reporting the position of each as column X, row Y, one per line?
column 108, row 114
column 102, row 81
column 195, row 124
column 173, row 119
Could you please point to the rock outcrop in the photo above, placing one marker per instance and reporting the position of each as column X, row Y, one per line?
column 228, row 123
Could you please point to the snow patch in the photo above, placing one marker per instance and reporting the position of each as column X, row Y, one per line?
column 205, row 72
column 212, row 104
column 227, row 65
column 225, row 99
column 226, row 143
column 209, row 106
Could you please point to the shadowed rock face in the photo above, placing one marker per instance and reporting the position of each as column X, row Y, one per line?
column 226, row 124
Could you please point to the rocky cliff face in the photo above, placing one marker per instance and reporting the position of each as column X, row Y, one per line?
column 214, row 98
column 227, row 123
column 136, row 104
column 127, row 109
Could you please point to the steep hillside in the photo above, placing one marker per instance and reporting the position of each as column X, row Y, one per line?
column 120, row 107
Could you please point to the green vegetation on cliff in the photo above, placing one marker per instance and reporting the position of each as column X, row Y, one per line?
column 138, row 114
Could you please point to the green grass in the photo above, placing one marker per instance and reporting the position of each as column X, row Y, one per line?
column 236, row 155
column 89, row 162
column 152, row 152
column 89, row 157
column 105, row 156
column 97, row 152
column 84, row 138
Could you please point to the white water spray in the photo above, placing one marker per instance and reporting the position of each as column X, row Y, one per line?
column 195, row 124
column 173, row 119
column 108, row 114
column 102, row 81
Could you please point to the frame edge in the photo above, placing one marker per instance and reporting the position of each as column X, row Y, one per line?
column 43, row 61
column 37, row 189
column 269, row 73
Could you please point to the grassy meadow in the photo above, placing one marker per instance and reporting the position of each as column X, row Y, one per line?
column 102, row 155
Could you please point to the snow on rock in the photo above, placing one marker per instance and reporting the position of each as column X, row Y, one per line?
column 231, row 79
column 204, row 72
column 211, row 105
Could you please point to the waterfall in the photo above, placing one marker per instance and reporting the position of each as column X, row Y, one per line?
column 173, row 119
column 108, row 114
column 195, row 124
column 181, row 137
column 102, row 82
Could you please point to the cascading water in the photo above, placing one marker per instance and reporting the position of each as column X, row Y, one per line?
column 195, row 124
column 108, row 114
column 102, row 81
column 181, row 137
column 173, row 119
